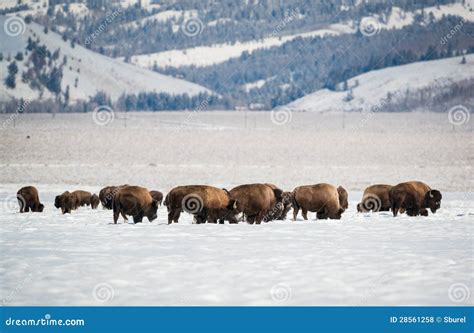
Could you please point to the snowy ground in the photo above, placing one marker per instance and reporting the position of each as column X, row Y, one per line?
column 363, row 259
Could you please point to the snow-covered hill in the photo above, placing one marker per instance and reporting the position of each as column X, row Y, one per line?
column 94, row 72
column 371, row 89
column 219, row 53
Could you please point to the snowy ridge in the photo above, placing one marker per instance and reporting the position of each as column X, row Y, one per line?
column 370, row 89
column 94, row 71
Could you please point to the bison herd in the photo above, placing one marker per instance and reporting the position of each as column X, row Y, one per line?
column 252, row 203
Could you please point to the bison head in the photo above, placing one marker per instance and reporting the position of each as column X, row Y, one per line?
column 433, row 200
column 57, row 201
column 150, row 211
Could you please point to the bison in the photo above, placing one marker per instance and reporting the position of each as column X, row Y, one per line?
column 376, row 198
column 84, row 198
column 414, row 197
column 28, row 198
column 66, row 202
column 135, row 201
column 320, row 198
column 255, row 201
column 95, row 201
column 206, row 203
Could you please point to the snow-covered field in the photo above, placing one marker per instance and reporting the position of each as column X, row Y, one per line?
column 363, row 259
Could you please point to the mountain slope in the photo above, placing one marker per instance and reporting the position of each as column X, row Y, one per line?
column 371, row 89
column 219, row 53
column 94, row 72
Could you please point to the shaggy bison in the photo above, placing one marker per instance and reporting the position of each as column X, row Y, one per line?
column 65, row 201
column 135, row 201
column 376, row 198
column 28, row 198
column 203, row 201
column 414, row 197
column 157, row 195
column 255, row 201
column 320, row 198
column 95, row 201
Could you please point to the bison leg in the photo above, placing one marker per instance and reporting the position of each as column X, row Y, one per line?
column 138, row 218
column 22, row 205
column 260, row 217
column 304, row 212
column 395, row 208
column 251, row 219
column 322, row 214
column 116, row 216
column 173, row 215
column 295, row 213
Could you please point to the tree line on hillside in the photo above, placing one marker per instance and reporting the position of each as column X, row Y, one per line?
column 302, row 66
column 235, row 21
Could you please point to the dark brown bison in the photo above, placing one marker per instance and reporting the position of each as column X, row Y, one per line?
column 414, row 197
column 376, row 198
column 255, row 201
column 95, row 201
column 135, row 201
column 66, row 202
column 28, row 198
column 343, row 195
column 320, row 198
column 157, row 195
column 107, row 194
column 206, row 203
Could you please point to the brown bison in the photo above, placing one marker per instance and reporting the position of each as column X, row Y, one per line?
column 255, row 201
column 107, row 194
column 66, row 202
column 84, row 198
column 157, row 195
column 135, row 201
column 376, row 198
column 320, row 198
column 204, row 202
column 95, row 201
column 28, row 198
column 343, row 195
column 414, row 197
